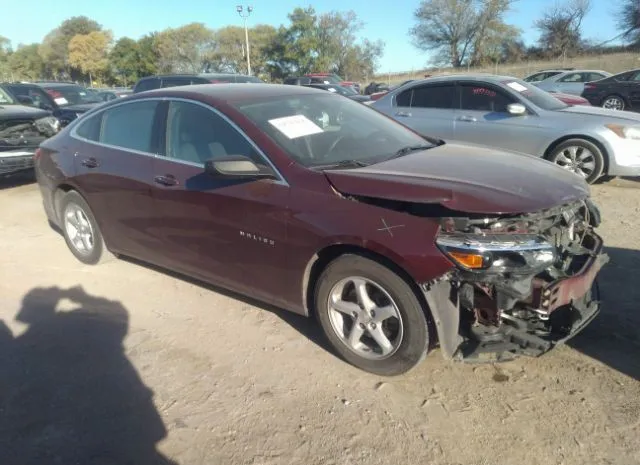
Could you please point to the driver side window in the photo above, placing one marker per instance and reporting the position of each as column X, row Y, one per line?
column 196, row 134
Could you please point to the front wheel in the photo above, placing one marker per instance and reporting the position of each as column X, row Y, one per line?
column 581, row 157
column 371, row 316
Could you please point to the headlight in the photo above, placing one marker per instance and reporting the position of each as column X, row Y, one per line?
column 500, row 253
column 626, row 132
column 48, row 125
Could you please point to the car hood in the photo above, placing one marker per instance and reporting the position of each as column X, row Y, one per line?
column 582, row 111
column 80, row 107
column 8, row 112
column 465, row 178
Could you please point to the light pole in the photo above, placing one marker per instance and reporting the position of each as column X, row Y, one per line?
column 244, row 16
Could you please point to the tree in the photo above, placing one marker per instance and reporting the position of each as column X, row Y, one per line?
column 148, row 55
column 560, row 28
column 124, row 61
column 230, row 53
column 5, row 54
column 629, row 21
column 26, row 62
column 55, row 46
column 187, row 49
column 459, row 29
column 90, row 52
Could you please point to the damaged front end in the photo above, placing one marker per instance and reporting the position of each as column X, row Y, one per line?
column 522, row 284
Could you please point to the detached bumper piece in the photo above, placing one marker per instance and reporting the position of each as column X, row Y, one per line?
column 15, row 162
column 510, row 317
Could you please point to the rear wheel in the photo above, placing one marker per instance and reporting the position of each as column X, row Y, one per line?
column 613, row 102
column 371, row 316
column 581, row 157
column 81, row 231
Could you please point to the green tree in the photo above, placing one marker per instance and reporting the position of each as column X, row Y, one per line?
column 187, row 49
column 90, row 52
column 148, row 54
column 26, row 62
column 5, row 54
column 230, row 53
column 55, row 46
column 124, row 61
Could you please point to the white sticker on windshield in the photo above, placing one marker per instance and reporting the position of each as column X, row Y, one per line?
column 60, row 100
column 517, row 86
column 332, row 89
column 295, row 126
column 82, row 93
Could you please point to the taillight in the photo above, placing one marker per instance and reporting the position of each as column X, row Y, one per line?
column 589, row 86
column 214, row 81
column 37, row 154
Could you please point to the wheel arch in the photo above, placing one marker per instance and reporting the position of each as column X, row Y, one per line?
column 322, row 258
column 58, row 195
column 593, row 140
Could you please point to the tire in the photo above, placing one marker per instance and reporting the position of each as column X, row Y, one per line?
column 579, row 156
column 406, row 331
column 75, row 215
column 614, row 102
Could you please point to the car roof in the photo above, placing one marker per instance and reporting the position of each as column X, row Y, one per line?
column 233, row 92
column 466, row 77
column 190, row 75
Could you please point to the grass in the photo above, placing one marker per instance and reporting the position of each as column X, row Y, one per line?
column 614, row 63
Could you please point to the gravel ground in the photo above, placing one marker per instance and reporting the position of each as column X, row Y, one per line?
column 125, row 364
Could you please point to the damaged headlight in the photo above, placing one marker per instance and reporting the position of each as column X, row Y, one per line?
column 49, row 125
column 499, row 253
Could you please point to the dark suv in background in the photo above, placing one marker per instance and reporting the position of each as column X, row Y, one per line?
column 66, row 100
column 174, row 80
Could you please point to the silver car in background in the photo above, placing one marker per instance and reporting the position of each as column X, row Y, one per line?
column 508, row 113
column 571, row 82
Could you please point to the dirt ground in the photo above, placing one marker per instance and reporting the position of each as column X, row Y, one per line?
column 140, row 367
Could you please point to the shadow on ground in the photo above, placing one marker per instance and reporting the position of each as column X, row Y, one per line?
column 68, row 393
column 613, row 338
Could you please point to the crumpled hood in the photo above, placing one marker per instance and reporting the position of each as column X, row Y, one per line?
column 581, row 111
column 466, row 178
column 8, row 112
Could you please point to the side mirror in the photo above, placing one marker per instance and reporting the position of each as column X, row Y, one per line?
column 26, row 100
column 235, row 166
column 516, row 109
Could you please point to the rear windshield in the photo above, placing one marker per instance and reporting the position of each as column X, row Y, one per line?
column 72, row 95
column 5, row 98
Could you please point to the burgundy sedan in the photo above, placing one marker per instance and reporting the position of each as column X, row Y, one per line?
column 315, row 203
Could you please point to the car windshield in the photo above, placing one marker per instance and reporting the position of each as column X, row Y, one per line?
column 72, row 95
column 6, row 98
column 533, row 94
column 323, row 130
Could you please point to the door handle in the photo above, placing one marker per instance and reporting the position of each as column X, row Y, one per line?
column 90, row 163
column 468, row 119
column 166, row 180
column 403, row 113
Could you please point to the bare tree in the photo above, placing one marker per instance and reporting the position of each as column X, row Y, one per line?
column 457, row 29
column 629, row 21
column 560, row 28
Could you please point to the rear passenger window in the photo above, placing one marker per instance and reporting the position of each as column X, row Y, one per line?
column 129, row 126
column 479, row 97
column 431, row 96
column 147, row 84
column 90, row 128
column 175, row 82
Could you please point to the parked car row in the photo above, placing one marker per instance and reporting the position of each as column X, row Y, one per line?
column 394, row 240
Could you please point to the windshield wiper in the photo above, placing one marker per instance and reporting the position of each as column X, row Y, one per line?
column 410, row 148
column 344, row 164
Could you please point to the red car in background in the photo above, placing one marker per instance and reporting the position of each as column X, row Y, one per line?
column 333, row 78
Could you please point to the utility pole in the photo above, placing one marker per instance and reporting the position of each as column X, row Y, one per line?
column 245, row 15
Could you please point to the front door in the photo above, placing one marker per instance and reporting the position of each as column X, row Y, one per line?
column 427, row 109
column 218, row 229
column 113, row 162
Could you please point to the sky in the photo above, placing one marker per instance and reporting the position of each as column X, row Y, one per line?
column 388, row 21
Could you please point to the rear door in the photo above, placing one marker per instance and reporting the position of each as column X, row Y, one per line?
column 428, row 109
column 217, row 229
column 483, row 119
column 572, row 83
column 114, row 163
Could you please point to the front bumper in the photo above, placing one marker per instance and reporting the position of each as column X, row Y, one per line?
column 16, row 161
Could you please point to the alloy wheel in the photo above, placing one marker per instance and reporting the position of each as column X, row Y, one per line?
column 613, row 103
column 79, row 229
column 365, row 317
column 579, row 160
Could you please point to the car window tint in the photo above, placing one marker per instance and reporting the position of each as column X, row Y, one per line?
column 197, row 134
column 175, row 82
column 433, row 96
column 147, row 84
column 404, row 98
column 90, row 128
column 129, row 126
column 594, row 77
column 480, row 97
column 635, row 77
column 572, row 77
